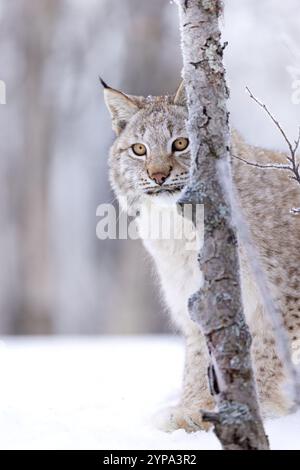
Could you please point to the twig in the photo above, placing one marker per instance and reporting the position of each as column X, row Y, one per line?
column 264, row 107
column 266, row 166
column 293, row 166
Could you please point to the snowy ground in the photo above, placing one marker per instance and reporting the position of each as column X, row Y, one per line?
column 100, row 393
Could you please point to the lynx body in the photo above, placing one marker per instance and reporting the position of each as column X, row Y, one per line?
column 149, row 166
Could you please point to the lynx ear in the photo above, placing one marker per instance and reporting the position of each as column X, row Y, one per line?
column 180, row 96
column 120, row 106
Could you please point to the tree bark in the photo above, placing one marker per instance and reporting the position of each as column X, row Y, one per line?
column 217, row 306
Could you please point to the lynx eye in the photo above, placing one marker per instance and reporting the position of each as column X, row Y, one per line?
column 180, row 144
column 139, row 149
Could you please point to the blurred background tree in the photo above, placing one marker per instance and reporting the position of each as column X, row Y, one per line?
column 56, row 277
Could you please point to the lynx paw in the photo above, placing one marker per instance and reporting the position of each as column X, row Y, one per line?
column 180, row 417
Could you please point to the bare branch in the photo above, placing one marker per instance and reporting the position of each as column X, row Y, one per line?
column 266, row 166
column 297, row 142
column 293, row 165
column 264, row 107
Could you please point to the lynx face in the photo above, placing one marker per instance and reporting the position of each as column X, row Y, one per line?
column 150, row 157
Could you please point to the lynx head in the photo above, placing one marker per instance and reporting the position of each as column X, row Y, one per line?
column 150, row 157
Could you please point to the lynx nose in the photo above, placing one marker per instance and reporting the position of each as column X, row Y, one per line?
column 160, row 177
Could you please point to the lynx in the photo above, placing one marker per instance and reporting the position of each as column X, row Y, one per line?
column 149, row 165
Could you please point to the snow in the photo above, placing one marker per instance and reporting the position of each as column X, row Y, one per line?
column 100, row 393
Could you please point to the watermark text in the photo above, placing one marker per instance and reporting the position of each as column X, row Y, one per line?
column 2, row 92
column 151, row 223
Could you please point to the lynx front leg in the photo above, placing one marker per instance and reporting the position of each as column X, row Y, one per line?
column 195, row 394
column 195, row 380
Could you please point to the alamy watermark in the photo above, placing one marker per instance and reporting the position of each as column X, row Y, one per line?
column 296, row 352
column 294, row 68
column 151, row 223
column 2, row 92
column 295, row 73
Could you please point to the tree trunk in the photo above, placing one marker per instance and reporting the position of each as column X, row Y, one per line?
column 35, row 306
column 217, row 306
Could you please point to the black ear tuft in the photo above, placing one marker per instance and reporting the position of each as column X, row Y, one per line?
column 103, row 83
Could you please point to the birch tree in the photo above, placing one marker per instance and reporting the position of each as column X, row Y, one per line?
column 217, row 306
